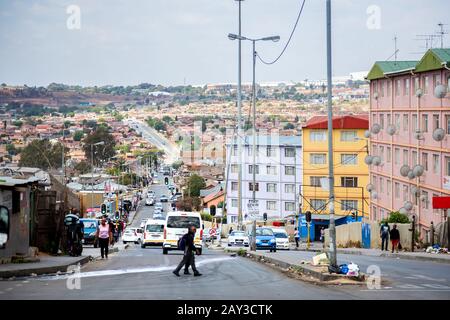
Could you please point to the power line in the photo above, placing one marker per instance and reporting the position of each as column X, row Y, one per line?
column 289, row 40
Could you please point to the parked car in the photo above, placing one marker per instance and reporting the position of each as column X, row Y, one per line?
column 282, row 238
column 158, row 216
column 238, row 238
column 90, row 229
column 159, row 206
column 163, row 198
column 150, row 194
column 131, row 235
column 265, row 239
column 149, row 201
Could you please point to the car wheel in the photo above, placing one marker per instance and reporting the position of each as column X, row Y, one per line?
column 229, row 245
column 142, row 245
column 124, row 242
column 165, row 251
column 274, row 250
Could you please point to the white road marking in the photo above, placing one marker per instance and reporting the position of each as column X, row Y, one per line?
column 422, row 277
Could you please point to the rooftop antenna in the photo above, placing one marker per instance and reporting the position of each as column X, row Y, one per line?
column 441, row 33
column 395, row 48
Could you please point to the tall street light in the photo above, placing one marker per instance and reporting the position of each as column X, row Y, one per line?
column 92, row 169
column 274, row 39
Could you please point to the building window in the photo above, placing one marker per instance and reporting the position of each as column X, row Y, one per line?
column 289, row 188
column 374, row 118
column 289, row 170
column 318, row 135
column 250, row 169
column 349, row 205
column 397, row 121
column 405, row 156
column 382, row 121
column 234, row 150
column 348, row 136
column 250, row 186
column 388, row 88
column 315, row 181
column 374, row 149
column 425, row 161
column 271, row 152
column 382, row 88
column 234, row 168
column 289, row 206
column 381, row 185
column 349, row 182
column 234, row 186
column 388, row 154
column 396, row 156
column 397, row 190
column 250, row 150
column 413, row 158
column 271, row 205
column 425, row 202
column 447, row 121
column 271, row 187
column 447, row 166
column 424, row 123
column 272, row 170
column 381, row 153
column 414, row 123
column 405, row 122
column 435, row 121
column 405, row 192
column 349, row 159
column 318, row 204
column 289, row 152
column 416, row 83
column 388, row 187
column 436, row 164
column 406, row 92
column 234, row 203
column 397, row 87
column 317, row 158
column 436, row 80
column 425, row 84
column 388, row 119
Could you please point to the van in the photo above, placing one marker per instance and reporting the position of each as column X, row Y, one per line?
column 176, row 226
column 90, row 230
column 153, row 233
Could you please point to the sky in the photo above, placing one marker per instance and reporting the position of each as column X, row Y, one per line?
column 172, row 42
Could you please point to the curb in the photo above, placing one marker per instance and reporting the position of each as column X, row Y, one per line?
column 42, row 270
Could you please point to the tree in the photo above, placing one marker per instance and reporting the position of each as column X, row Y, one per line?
column 83, row 167
column 177, row 164
column 78, row 135
column 396, row 217
column 167, row 119
column 101, row 152
column 195, row 184
column 159, row 125
column 18, row 123
column 42, row 154
column 12, row 150
column 289, row 126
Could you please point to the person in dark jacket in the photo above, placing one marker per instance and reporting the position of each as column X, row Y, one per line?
column 384, row 235
column 395, row 237
column 188, row 257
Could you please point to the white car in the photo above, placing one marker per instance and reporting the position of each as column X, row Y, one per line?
column 149, row 201
column 282, row 238
column 142, row 225
column 153, row 233
column 238, row 238
column 150, row 194
column 159, row 206
column 131, row 235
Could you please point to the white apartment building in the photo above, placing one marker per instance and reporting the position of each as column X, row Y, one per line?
column 278, row 176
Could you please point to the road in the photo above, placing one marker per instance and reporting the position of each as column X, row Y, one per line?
column 171, row 151
column 137, row 273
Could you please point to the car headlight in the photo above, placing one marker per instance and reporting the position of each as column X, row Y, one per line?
column 272, row 240
column 258, row 240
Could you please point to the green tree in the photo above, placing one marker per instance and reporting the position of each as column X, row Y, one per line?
column 42, row 154
column 194, row 185
column 396, row 217
column 83, row 167
column 18, row 123
column 12, row 150
column 177, row 164
column 78, row 135
column 103, row 152
column 289, row 126
column 167, row 119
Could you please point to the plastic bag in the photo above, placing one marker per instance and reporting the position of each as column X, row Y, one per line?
column 343, row 269
column 353, row 270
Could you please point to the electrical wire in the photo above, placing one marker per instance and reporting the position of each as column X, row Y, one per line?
column 289, row 40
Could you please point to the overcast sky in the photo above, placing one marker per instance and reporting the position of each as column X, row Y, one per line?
column 126, row 42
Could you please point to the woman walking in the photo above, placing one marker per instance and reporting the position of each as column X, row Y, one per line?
column 104, row 236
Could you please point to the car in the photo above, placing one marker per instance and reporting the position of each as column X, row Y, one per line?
column 153, row 233
column 163, row 198
column 282, row 238
column 90, row 230
column 139, row 232
column 155, row 181
column 150, row 193
column 158, row 216
column 238, row 238
column 176, row 226
column 142, row 225
column 149, row 201
column 130, row 235
column 157, row 211
column 159, row 206
column 265, row 239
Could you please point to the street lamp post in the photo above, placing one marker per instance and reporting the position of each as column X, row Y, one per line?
column 92, row 169
column 254, row 53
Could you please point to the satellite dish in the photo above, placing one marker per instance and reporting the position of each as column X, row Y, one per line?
column 376, row 128
column 439, row 134
column 418, row 170
column 419, row 93
column 423, row 198
column 415, row 191
column 404, row 170
column 374, row 195
column 440, row 91
column 370, row 187
column 418, row 135
column 403, row 210
column 376, row 161
column 408, row 205
column 411, row 174
column 391, row 129
column 368, row 160
column 375, row 95
column 367, row 134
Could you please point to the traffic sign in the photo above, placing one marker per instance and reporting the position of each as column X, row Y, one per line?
column 212, row 232
column 253, row 207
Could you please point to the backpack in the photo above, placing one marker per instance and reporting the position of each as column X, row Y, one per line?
column 182, row 243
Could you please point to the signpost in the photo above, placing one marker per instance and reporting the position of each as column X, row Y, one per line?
column 253, row 208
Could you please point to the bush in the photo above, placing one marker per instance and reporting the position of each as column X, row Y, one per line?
column 206, row 217
column 396, row 217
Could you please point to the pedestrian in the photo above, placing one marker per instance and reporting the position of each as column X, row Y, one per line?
column 322, row 234
column 230, row 231
column 187, row 241
column 104, row 237
column 384, row 234
column 296, row 237
column 395, row 237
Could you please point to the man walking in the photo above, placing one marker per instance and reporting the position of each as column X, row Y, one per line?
column 395, row 238
column 296, row 237
column 188, row 258
column 384, row 234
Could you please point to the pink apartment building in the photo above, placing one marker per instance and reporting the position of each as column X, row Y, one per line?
column 410, row 110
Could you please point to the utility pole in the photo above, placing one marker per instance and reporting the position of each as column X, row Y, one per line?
column 239, row 121
column 253, row 248
column 332, row 228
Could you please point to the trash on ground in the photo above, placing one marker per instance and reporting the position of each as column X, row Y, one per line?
column 321, row 260
column 436, row 249
column 353, row 270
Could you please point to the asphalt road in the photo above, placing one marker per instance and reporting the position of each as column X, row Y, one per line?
column 137, row 273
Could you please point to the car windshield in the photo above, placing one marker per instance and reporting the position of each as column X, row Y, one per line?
column 281, row 235
column 155, row 228
column 264, row 232
column 237, row 234
column 183, row 222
